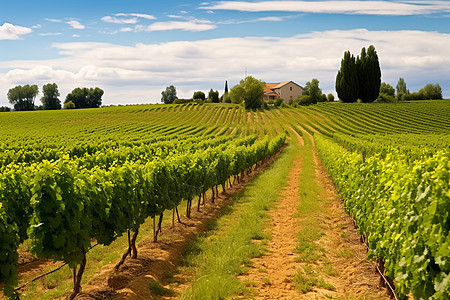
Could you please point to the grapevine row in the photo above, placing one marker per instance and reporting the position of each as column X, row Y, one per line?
column 63, row 206
column 403, row 207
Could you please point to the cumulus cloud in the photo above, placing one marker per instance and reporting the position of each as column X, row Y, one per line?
column 138, row 74
column 76, row 25
column 376, row 7
column 13, row 32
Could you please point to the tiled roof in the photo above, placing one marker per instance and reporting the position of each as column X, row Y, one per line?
column 270, row 86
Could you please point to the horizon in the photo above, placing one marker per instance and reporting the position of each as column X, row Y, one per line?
column 133, row 51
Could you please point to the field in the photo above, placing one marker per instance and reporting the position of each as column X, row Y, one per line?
column 267, row 220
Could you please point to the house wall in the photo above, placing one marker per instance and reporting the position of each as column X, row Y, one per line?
column 289, row 91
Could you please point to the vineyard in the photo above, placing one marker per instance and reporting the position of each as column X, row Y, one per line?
column 74, row 179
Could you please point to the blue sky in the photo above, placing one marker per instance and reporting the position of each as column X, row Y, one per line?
column 134, row 49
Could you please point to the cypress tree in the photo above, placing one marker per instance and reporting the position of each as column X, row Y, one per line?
column 361, row 67
column 370, row 78
column 226, row 87
column 347, row 83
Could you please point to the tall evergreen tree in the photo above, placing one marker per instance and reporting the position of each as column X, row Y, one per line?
column 347, row 84
column 370, row 80
column 226, row 87
column 361, row 67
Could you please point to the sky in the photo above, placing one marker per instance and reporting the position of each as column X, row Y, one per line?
column 134, row 49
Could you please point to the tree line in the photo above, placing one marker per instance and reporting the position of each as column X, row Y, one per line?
column 23, row 98
column 169, row 96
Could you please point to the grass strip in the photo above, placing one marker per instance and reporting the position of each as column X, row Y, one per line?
column 311, row 255
column 225, row 252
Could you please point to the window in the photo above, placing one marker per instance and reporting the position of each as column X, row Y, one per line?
column 290, row 88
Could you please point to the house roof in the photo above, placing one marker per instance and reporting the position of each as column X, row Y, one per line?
column 271, row 86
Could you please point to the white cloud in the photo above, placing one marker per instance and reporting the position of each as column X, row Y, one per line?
column 138, row 74
column 76, row 25
column 75, row 35
column 37, row 26
column 142, row 16
column 376, row 7
column 122, row 18
column 13, row 32
column 54, row 20
column 175, row 16
column 50, row 34
column 262, row 19
column 126, row 29
column 193, row 25
column 115, row 20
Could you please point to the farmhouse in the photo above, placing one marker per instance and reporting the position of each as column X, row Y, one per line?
column 286, row 90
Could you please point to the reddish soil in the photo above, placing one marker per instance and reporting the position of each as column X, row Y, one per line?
column 353, row 276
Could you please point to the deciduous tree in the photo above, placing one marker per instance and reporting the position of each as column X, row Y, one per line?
column 85, row 98
column 401, row 86
column 387, row 89
column 432, row 91
column 199, row 95
column 312, row 90
column 22, row 97
column 50, row 99
column 169, row 95
column 213, row 96
column 250, row 90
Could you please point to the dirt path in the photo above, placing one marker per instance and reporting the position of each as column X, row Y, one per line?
column 271, row 275
column 341, row 269
column 345, row 265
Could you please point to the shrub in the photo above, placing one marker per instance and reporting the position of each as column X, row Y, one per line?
column 304, row 100
column 401, row 96
column 4, row 108
column 226, row 98
column 278, row 102
column 415, row 96
column 69, row 105
column 385, row 98
column 181, row 101
column 330, row 97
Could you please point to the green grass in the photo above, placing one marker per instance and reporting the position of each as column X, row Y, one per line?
column 311, row 206
column 226, row 252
